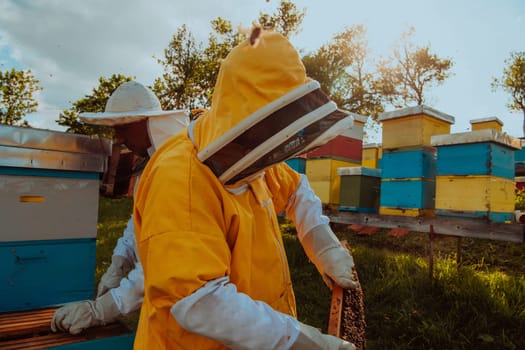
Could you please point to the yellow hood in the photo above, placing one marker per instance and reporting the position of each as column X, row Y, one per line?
column 250, row 77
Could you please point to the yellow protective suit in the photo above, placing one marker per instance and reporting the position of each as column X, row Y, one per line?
column 191, row 229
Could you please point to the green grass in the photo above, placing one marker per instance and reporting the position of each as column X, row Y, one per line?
column 113, row 216
column 479, row 304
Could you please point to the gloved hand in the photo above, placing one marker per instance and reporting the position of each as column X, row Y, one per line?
column 312, row 339
column 76, row 317
column 119, row 268
column 332, row 260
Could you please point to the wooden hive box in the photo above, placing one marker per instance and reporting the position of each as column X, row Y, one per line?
column 49, row 192
column 49, row 189
column 480, row 152
column 348, row 145
column 486, row 123
column 482, row 197
column 341, row 147
column 407, row 197
column 371, row 155
column 323, row 178
column 359, row 190
column 409, row 163
column 413, row 126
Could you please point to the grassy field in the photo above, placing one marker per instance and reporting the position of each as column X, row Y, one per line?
column 478, row 304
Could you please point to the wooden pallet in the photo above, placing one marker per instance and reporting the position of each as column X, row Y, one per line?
column 30, row 330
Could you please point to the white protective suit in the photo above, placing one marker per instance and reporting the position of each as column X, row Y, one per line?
column 120, row 292
column 129, row 294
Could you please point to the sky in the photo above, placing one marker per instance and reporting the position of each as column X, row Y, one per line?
column 69, row 44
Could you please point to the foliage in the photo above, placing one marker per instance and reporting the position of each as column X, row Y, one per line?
column 182, row 62
column 16, row 96
column 519, row 203
column 342, row 69
column 96, row 102
column 405, row 76
column 286, row 20
column 191, row 69
column 513, row 82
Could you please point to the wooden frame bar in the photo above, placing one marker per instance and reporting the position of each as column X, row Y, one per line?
column 438, row 226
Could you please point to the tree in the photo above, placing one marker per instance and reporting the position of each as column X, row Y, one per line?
column 405, row 76
column 342, row 69
column 286, row 20
column 96, row 102
column 513, row 82
column 220, row 42
column 16, row 96
column 179, row 86
column 191, row 69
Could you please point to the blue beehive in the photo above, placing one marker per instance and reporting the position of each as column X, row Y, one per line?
column 407, row 193
column 408, row 181
column 49, row 193
column 409, row 163
column 480, row 152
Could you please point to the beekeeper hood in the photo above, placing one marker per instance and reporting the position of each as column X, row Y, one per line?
column 132, row 102
column 264, row 110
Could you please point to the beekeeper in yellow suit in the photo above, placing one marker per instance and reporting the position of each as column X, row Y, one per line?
column 215, row 269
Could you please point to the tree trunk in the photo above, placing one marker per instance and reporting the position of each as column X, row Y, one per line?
column 523, row 123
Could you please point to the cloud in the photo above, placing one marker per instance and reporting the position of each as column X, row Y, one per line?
column 68, row 45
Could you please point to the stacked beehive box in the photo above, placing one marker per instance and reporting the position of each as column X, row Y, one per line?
column 49, row 189
column 475, row 175
column 321, row 167
column 408, row 161
column 359, row 189
column 49, row 193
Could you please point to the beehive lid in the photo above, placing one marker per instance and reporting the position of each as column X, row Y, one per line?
column 486, row 120
column 477, row 136
column 416, row 110
column 359, row 170
column 48, row 149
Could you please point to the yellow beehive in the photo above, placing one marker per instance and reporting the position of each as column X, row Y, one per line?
column 413, row 126
column 486, row 123
column 371, row 155
column 323, row 178
column 475, row 193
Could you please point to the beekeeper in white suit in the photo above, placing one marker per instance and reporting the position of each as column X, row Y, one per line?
column 141, row 124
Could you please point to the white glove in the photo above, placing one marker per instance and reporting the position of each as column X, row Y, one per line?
column 310, row 338
column 119, row 268
column 76, row 317
column 332, row 260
